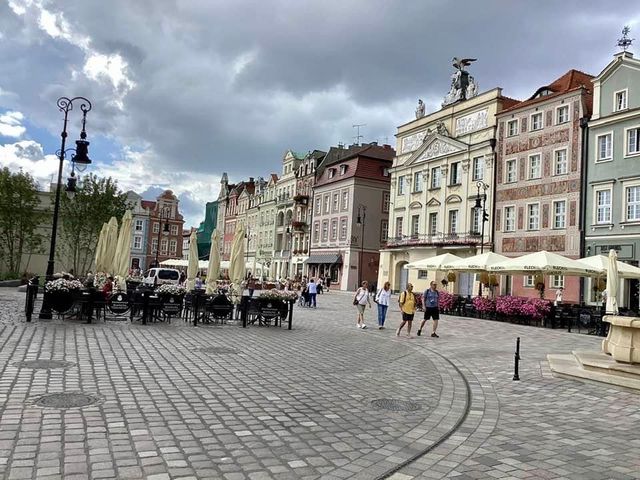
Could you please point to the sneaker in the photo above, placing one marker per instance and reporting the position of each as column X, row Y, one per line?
column 364, row 326
column 359, row 326
column 435, row 335
column 419, row 332
column 380, row 327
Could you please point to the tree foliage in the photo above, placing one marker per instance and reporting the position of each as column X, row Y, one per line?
column 96, row 201
column 20, row 217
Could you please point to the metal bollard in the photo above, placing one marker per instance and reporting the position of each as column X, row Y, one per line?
column 516, row 375
column 290, row 314
column 244, row 307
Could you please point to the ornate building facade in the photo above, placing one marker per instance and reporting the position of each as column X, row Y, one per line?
column 168, row 239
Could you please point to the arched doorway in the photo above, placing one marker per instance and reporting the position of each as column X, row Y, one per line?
column 401, row 277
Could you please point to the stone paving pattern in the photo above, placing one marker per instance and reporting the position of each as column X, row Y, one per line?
column 297, row 404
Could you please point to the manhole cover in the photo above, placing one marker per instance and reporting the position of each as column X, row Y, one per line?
column 395, row 405
column 43, row 364
column 66, row 400
column 217, row 350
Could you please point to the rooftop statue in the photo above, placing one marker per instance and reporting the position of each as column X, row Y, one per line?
column 463, row 85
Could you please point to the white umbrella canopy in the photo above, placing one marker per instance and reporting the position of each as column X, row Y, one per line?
column 601, row 263
column 213, row 270
column 174, row 262
column 99, row 259
column 237, row 260
column 110, row 245
column 612, row 284
column 545, row 263
column 434, row 263
column 122, row 258
column 477, row 263
column 192, row 267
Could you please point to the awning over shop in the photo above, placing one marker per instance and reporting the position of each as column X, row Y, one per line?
column 320, row 258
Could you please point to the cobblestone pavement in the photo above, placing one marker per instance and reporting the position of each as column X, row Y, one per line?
column 307, row 403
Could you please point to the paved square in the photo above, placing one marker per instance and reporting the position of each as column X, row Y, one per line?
column 325, row 400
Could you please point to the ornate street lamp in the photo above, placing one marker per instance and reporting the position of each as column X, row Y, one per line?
column 80, row 161
column 360, row 220
column 481, row 207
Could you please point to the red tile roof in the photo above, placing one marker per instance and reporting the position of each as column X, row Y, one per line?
column 148, row 204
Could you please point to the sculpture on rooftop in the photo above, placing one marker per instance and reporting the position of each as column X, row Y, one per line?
column 420, row 109
column 463, row 85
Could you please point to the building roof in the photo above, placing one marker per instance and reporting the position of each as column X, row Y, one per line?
column 571, row 81
column 149, row 204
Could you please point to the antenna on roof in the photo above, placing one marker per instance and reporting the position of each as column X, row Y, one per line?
column 625, row 42
column 358, row 136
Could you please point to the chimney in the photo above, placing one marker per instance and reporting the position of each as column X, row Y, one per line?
column 250, row 179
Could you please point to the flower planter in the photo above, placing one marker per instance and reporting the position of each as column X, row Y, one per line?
column 60, row 302
column 272, row 308
column 171, row 304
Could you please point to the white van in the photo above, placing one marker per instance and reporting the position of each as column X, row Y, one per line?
column 160, row 276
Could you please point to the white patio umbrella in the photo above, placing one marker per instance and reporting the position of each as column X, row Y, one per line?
column 122, row 258
column 192, row 267
column 237, row 260
column 544, row 263
column 110, row 246
column 213, row 270
column 601, row 263
column 477, row 263
column 434, row 263
column 612, row 284
column 175, row 262
column 99, row 259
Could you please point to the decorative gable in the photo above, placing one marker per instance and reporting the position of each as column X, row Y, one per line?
column 435, row 146
column 433, row 202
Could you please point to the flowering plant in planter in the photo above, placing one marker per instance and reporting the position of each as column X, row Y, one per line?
column 274, row 294
column 484, row 304
column 541, row 307
column 446, row 300
column 99, row 279
column 62, row 285
column 508, row 305
column 535, row 308
column 170, row 289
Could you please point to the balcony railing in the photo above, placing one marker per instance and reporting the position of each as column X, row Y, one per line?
column 438, row 239
column 298, row 225
column 301, row 199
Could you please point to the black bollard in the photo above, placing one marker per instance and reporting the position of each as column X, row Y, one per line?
column 145, row 306
column 195, row 302
column 516, row 375
column 244, row 307
column 290, row 319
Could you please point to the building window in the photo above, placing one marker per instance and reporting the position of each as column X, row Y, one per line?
column 399, row 221
column 559, row 214
column 415, row 225
column 316, row 232
column 336, row 202
column 423, row 274
column 318, row 206
column 512, row 128
column 343, row 169
column 478, row 168
column 139, row 225
column 453, row 222
column 603, row 206
column 173, row 246
column 417, row 182
column 621, row 100
column 401, row 185
column 386, row 202
column 509, row 219
column 633, row 203
column 343, row 229
column 163, row 245
column 345, row 200
column 174, row 229
column 455, row 174
column 560, row 162
column 562, row 114
column 154, row 245
column 433, row 223
column 535, row 166
column 536, row 121
column 137, row 242
column 156, row 227
column 511, row 171
column 528, row 281
column 476, row 219
column 325, row 230
column 557, row 281
column 533, row 216
column 327, row 206
column 633, row 141
column 435, row 177
column 334, row 229
column 604, row 147
column 384, row 230
column 332, row 172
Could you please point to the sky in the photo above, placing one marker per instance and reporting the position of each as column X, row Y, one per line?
column 183, row 90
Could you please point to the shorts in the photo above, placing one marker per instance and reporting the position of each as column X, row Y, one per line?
column 361, row 308
column 407, row 317
column 432, row 312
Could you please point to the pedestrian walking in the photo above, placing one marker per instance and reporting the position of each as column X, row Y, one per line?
column 382, row 299
column 407, row 301
column 312, row 292
column 251, row 285
column 360, row 300
column 431, row 299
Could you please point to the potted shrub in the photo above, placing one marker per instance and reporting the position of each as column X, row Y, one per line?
column 60, row 293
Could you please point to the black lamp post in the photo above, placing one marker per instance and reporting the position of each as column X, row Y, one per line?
column 360, row 220
column 81, row 159
column 481, row 205
column 164, row 214
column 247, row 235
column 288, row 244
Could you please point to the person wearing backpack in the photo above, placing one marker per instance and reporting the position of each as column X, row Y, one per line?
column 431, row 299
column 407, row 302
column 382, row 299
column 360, row 300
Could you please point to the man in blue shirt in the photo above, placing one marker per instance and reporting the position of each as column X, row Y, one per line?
column 431, row 298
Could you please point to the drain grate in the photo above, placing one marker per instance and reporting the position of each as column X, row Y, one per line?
column 217, row 350
column 66, row 400
column 43, row 364
column 395, row 405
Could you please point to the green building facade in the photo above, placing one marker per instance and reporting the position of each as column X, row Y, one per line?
column 206, row 228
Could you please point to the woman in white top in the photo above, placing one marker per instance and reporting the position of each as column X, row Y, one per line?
column 360, row 300
column 382, row 299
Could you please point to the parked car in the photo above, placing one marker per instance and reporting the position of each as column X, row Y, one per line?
column 160, row 276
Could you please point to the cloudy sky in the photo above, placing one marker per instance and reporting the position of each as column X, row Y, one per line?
column 183, row 90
